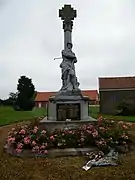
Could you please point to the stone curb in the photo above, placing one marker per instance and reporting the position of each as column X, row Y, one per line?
column 53, row 153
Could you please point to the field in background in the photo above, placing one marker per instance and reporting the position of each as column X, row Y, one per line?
column 94, row 112
column 8, row 115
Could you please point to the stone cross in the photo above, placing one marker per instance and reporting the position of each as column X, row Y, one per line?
column 67, row 14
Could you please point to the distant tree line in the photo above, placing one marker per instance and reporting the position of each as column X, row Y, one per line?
column 23, row 99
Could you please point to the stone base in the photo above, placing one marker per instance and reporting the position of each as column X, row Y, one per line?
column 52, row 153
column 52, row 125
column 74, row 107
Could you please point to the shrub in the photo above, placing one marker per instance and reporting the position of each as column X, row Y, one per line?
column 126, row 107
column 105, row 134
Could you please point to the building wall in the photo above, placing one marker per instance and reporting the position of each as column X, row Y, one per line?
column 93, row 102
column 41, row 104
column 109, row 100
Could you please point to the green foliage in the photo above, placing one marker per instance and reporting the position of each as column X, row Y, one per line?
column 26, row 91
column 1, row 102
column 126, row 107
column 104, row 134
column 9, row 101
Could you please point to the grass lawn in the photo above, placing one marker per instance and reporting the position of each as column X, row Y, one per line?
column 66, row 168
column 94, row 112
column 8, row 115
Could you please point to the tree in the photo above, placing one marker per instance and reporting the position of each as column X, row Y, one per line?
column 13, row 96
column 1, row 102
column 26, row 92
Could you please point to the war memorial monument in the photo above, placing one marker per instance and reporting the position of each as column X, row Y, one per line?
column 68, row 106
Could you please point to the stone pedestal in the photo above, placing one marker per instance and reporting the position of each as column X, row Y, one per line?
column 67, row 111
column 65, row 107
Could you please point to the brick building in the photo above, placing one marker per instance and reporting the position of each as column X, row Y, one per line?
column 42, row 98
column 112, row 90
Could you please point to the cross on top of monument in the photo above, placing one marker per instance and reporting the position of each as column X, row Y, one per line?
column 67, row 13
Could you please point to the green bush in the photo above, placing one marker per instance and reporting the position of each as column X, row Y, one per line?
column 105, row 134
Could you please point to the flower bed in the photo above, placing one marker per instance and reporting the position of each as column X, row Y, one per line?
column 105, row 134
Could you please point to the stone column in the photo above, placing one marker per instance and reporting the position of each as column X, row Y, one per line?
column 67, row 26
column 67, row 14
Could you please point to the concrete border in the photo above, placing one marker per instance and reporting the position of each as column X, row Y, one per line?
column 52, row 153
column 52, row 125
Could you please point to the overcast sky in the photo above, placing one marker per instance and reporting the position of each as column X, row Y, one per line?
column 31, row 35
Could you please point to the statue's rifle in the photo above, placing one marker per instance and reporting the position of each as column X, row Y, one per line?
column 58, row 58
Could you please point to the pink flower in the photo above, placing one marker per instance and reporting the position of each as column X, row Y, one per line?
column 43, row 132
column 82, row 139
column 102, row 128
column 88, row 131
column 27, row 140
column 34, row 143
column 35, row 131
column 90, row 127
column 15, row 132
column 19, row 146
column 18, row 151
column 35, row 149
column 13, row 129
column 42, row 147
column 101, row 142
column 45, row 152
column 120, row 122
column 70, row 132
column 36, row 127
column 10, row 140
column 124, row 127
column 52, row 138
column 45, row 144
column 95, row 134
column 22, row 131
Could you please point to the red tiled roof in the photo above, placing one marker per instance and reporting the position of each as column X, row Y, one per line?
column 44, row 96
column 116, row 82
column 92, row 94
